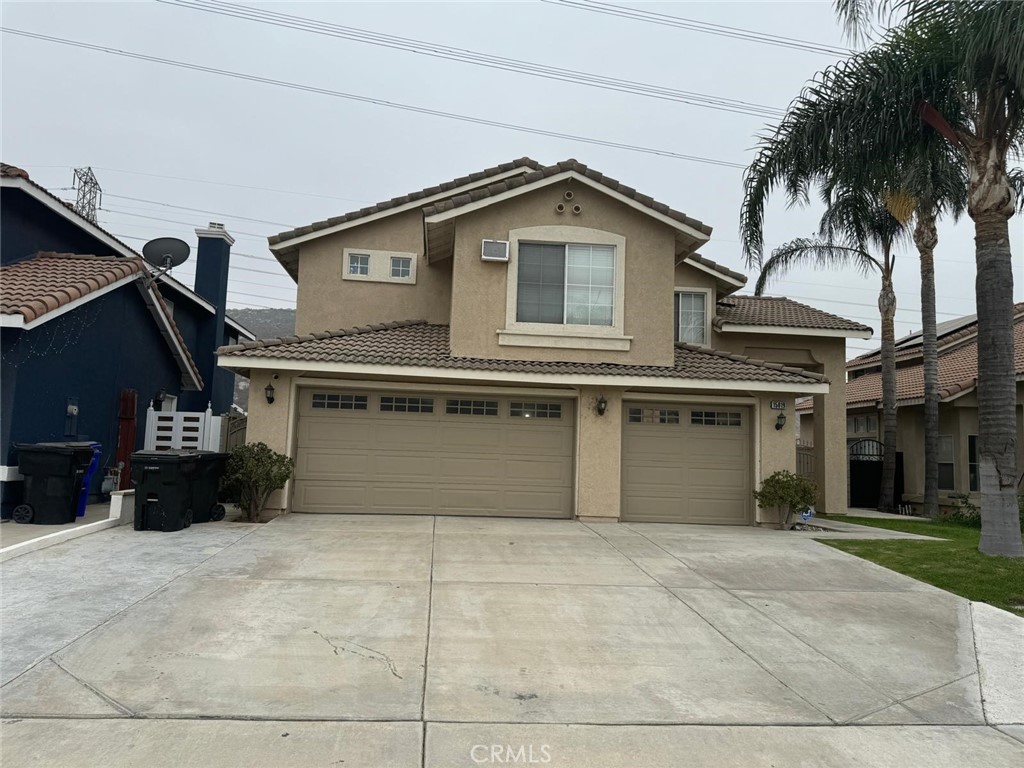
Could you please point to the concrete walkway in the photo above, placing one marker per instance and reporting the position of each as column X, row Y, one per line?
column 417, row 641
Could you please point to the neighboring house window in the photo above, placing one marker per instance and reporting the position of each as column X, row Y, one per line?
column 716, row 418
column 407, row 404
column 862, row 424
column 472, row 407
column 358, row 264
column 972, row 462
column 946, row 474
column 401, row 266
column 339, row 402
column 691, row 317
column 536, row 410
column 566, row 284
column 653, row 416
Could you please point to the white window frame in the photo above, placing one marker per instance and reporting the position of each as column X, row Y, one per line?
column 401, row 267
column 952, row 459
column 708, row 311
column 379, row 267
column 565, row 336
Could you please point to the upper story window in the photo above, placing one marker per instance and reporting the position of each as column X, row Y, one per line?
column 568, row 284
column 372, row 266
column 691, row 316
column 359, row 264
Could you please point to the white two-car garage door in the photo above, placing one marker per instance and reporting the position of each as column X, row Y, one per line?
column 433, row 453
column 686, row 464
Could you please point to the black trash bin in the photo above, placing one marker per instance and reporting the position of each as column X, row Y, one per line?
column 53, row 481
column 163, row 489
column 210, row 468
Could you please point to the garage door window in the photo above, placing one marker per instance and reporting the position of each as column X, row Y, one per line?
column 653, row 416
column 339, row 402
column 536, row 410
column 406, row 404
column 472, row 407
column 715, row 418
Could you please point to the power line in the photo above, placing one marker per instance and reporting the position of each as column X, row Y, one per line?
column 171, row 221
column 201, row 210
column 234, row 266
column 371, row 100
column 475, row 58
column 693, row 25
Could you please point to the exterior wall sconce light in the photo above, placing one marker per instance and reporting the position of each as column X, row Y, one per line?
column 269, row 391
column 780, row 421
column 602, row 405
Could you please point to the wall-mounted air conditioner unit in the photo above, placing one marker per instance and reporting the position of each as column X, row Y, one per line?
column 494, row 250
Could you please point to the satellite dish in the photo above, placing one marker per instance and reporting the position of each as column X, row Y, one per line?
column 165, row 252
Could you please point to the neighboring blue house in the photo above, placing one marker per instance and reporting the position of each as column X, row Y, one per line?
column 90, row 340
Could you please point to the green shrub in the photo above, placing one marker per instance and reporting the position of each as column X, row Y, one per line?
column 964, row 512
column 254, row 472
column 791, row 494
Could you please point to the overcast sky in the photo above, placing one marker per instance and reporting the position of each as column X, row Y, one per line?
column 285, row 157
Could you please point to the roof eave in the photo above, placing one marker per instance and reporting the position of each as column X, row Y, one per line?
column 790, row 330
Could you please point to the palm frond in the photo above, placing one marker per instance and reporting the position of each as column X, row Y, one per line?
column 814, row 252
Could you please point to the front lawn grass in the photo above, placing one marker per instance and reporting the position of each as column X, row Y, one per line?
column 954, row 564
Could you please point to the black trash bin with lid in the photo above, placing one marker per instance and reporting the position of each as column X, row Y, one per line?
column 53, row 481
column 210, row 468
column 163, row 489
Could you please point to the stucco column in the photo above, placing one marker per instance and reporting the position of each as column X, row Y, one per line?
column 268, row 423
column 598, row 449
column 830, row 459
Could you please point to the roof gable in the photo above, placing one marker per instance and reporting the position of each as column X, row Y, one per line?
column 773, row 314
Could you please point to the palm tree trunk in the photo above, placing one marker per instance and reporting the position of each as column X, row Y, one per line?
column 991, row 203
column 887, row 307
column 926, row 238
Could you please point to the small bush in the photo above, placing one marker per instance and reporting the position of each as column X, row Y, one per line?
column 791, row 494
column 964, row 512
column 254, row 472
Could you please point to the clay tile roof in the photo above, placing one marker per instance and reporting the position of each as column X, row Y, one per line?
column 12, row 171
column 422, row 344
column 780, row 312
column 717, row 267
column 523, row 162
column 958, row 373
column 539, row 174
column 48, row 281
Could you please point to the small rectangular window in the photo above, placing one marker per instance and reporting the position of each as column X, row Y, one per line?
column 536, row 410
column 472, row 407
column 406, row 404
column 339, row 402
column 716, row 418
column 653, row 416
column 947, row 475
column 401, row 266
column 972, row 463
column 358, row 264
column 691, row 317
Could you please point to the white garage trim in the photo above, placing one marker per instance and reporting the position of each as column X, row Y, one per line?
column 403, row 386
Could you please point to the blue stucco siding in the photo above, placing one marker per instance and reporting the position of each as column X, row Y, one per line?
column 91, row 354
column 27, row 227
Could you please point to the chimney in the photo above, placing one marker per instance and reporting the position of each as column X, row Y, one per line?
column 212, row 261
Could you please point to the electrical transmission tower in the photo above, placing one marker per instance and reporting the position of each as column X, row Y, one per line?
column 90, row 196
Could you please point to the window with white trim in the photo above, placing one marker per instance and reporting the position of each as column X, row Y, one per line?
column 339, row 402
column 653, row 416
column 359, row 264
column 565, row 284
column 716, row 418
column 389, row 404
column 972, row 463
column 691, row 317
column 401, row 266
column 947, row 474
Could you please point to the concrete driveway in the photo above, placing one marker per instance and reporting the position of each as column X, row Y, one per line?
column 412, row 641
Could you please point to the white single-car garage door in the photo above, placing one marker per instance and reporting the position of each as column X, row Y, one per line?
column 686, row 464
column 433, row 453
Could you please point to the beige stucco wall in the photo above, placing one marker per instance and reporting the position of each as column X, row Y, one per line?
column 598, row 455
column 778, row 446
column 269, row 423
column 479, row 288
column 327, row 302
column 821, row 355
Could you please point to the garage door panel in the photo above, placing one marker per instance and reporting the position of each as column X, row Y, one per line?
column 433, row 463
column 686, row 472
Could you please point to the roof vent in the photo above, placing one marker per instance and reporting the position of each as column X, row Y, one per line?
column 494, row 250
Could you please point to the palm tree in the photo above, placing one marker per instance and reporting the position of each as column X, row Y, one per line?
column 956, row 68
column 854, row 222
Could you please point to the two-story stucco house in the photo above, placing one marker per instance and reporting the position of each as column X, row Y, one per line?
column 537, row 341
